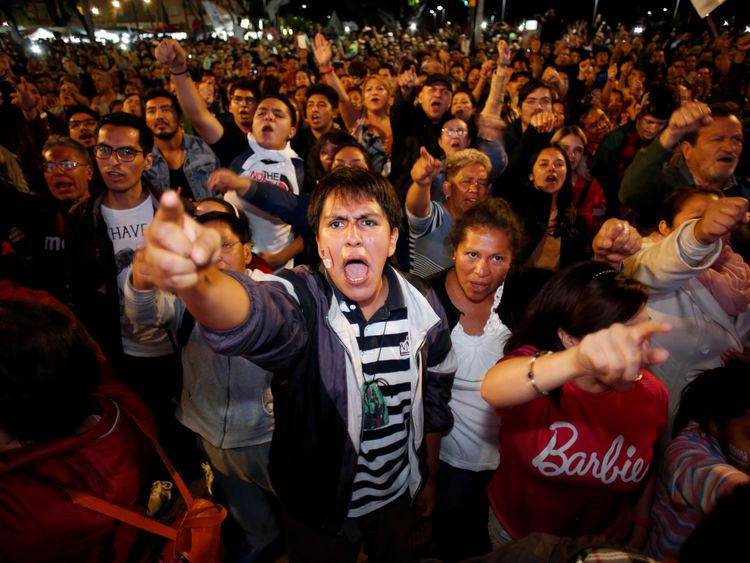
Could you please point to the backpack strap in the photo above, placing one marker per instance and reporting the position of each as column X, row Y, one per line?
column 128, row 516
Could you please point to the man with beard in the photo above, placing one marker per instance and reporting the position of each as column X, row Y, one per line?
column 82, row 124
column 180, row 161
column 227, row 139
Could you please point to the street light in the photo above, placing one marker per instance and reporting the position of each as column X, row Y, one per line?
column 442, row 16
column 95, row 10
column 116, row 4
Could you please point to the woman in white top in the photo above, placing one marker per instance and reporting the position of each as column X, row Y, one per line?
column 485, row 241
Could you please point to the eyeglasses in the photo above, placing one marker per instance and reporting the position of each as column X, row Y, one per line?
column 466, row 183
column 64, row 165
column 227, row 246
column 78, row 124
column 456, row 132
column 239, row 100
column 124, row 154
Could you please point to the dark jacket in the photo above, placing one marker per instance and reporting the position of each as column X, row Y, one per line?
column 412, row 129
column 91, row 273
column 307, row 343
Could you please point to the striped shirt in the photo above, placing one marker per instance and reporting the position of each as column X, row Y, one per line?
column 696, row 474
column 382, row 472
column 430, row 249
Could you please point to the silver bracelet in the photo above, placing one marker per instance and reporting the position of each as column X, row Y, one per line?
column 530, row 375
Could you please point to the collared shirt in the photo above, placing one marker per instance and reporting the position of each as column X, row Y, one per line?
column 382, row 472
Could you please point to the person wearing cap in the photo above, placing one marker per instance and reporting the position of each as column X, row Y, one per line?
column 225, row 400
column 419, row 125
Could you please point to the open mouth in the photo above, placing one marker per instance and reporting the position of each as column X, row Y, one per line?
column 355, row 271
column 114, row 174
column 63, row 186
column 727, row 159
column 551, row 178
column 267, row 129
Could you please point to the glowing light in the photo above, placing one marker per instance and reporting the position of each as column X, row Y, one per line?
column 36, row 49
column 245, row 23
column 747, row 29
column 484, row 25
column 304, row 6
column 147, row 1
column 95, row 11
column 413, row 26
column 664, row 10
column 115, row 3
column 269, row 37
column 649, row 12
column 440, row 8
column 637, row 30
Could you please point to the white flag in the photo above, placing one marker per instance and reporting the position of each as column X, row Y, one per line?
column 705, row 7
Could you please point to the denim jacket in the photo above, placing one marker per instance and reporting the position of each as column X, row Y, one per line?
column 200, row 161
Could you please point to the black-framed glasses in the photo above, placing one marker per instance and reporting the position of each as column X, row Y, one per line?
column 64, row 165
column 239, row 100
column 78, row 124
column 124, row 154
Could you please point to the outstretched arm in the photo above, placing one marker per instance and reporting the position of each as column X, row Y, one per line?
column 424, row 171
column 170, row 53
column 614, row 356
column 180, row 254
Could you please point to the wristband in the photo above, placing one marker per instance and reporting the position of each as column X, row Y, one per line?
column 329, row 70
column 178, row 73
column 530, row 375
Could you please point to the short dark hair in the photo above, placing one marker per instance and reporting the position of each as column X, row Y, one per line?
column 72, row 110
column 48, row 370
column 244, row 84
column 466, row 90
column 353, row 143
column 355, row 184
column 581, row 299
column 235, row 219
column 660, row 102
column 675, row 201
column 122, row 119
column 717, row 395
column 335, row 136
column 323, row 90
column 491, row 213
column 162, row 93
column 530, row 86
column 284, row 100
column 63, row 141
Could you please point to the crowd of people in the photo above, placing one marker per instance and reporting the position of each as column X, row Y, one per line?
column 404, row 297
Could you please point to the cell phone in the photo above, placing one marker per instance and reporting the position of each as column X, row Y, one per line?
column 302, row 41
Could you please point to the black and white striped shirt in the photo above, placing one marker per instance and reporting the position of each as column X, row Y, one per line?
column 382, row 473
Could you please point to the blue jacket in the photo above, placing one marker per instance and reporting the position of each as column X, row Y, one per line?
column 199, row 162
column 297, row 328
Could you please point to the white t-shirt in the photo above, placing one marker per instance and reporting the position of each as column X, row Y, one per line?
column 473, row 441
column 125, row 229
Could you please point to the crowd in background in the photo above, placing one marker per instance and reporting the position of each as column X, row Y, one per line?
column 570, row 212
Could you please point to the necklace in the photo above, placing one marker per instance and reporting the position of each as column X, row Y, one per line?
column 374, row 409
